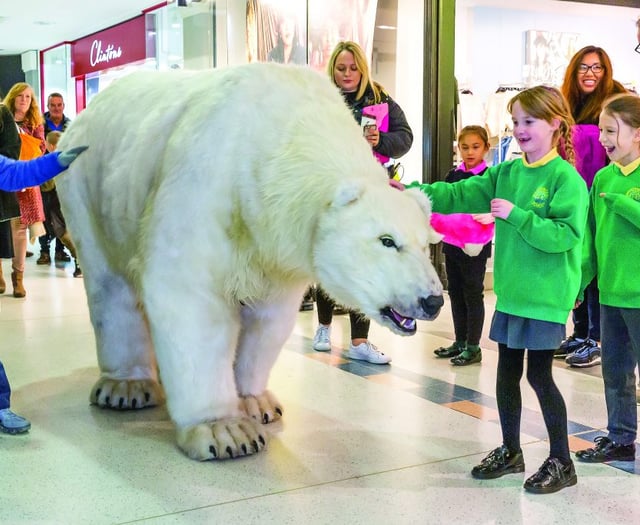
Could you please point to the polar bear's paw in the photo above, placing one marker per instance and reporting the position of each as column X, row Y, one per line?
column 222, row 439
column 126, row 394
column 264, row 408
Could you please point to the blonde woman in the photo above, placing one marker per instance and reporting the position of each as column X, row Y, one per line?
column 349, row 71
column 22, row 103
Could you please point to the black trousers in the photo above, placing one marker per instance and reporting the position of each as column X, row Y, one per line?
column 51, row 205
column 465, row 277
column 324, row 304
column 586, row 318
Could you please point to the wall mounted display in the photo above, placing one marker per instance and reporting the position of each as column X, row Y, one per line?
column 547, row 55
column 277, row 29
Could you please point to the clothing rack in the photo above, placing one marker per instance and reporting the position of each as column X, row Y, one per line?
column 499, row 120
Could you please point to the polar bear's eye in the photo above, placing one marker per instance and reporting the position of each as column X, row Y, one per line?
column 388, row 242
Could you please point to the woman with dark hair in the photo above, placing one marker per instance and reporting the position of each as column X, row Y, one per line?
column 588, row 82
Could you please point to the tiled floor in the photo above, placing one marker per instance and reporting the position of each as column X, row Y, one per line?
column 358, row 443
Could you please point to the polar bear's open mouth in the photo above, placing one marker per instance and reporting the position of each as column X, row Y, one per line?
column 404, row 324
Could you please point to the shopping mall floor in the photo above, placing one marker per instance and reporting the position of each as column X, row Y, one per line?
column 359, row 443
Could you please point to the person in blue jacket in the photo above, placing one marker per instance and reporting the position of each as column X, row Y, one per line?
column 14, row 176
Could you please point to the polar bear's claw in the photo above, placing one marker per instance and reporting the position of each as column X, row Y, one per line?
column 222, row 439
column 125, row 394
column 264, row 407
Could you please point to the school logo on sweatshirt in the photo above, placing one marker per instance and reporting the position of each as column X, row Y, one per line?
column 540, row 197
column 634, row 193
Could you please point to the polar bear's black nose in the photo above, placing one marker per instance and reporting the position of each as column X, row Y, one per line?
column 432, row 304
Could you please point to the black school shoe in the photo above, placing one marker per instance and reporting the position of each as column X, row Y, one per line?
column 552, row 476
column 468, row 357
column 498, row 463
column 450, row 351
column 607, row 450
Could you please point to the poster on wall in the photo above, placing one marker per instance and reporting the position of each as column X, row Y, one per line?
column 277, row 29
column 547, row 55
column 331, row 21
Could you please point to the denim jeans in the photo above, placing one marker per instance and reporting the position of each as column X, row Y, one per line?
column 5, row 389
column 586, row 318
column 620, row 355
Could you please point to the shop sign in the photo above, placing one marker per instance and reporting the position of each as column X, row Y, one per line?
column 117, row 46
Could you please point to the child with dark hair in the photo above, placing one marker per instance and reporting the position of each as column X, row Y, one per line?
column 465, row 273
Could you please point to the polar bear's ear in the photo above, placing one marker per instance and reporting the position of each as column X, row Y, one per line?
column 425, row 205
column 347, row 193
column 434, row 237
column 422, row 200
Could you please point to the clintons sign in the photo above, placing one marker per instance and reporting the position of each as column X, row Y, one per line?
column 116, row 46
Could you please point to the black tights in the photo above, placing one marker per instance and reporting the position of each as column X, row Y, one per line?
column 539, row 375
column 359, row 323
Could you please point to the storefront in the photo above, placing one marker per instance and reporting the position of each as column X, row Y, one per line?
column 168, row 36
column 207, row 34
column 504, row 47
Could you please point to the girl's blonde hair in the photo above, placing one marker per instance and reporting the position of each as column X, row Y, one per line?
column 363, row 67
column 548, row 103
column 475, row 130
column 624, row 107
column 33, row 117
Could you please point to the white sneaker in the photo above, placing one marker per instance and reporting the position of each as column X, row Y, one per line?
column 322, row 339
column 367, row 352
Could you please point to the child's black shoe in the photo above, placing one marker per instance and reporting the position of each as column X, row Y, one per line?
column 552, row 476
column 450, row 351
column 468, row 357
column 498, row 463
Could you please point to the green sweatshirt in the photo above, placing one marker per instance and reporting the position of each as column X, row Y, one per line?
column 612, row 239
column 538, row 247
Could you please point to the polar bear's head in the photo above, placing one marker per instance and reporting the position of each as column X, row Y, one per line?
column 372, row 254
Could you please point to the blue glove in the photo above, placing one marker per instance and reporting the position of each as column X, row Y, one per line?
column 67, row 157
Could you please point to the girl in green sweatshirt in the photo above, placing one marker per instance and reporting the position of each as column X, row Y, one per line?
column 611, row 252
column 540, row 206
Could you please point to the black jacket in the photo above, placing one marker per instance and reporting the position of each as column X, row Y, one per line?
column 395, row 142
column 9, row 147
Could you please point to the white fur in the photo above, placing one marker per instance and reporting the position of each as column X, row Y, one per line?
column 204, row 206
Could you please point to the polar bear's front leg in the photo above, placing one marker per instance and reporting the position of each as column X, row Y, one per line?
column 225, row 439
column 266, row 327
column 195, row 336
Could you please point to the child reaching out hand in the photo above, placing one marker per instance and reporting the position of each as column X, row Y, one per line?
column 540, row 206
column 465, row 273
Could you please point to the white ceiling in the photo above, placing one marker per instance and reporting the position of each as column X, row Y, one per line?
column 39, row 24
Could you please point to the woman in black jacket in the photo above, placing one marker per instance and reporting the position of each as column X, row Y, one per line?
column 349, row 71
column 9, row 209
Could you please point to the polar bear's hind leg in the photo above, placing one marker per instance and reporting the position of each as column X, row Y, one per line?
column 128, row 372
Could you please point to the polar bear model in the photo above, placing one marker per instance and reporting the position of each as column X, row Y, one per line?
column 205, row 205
